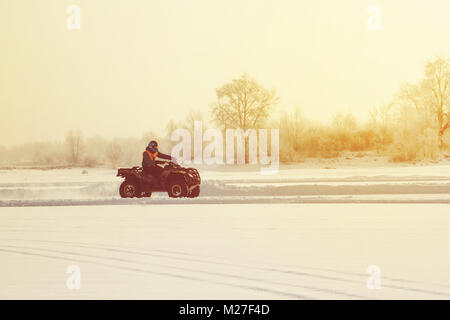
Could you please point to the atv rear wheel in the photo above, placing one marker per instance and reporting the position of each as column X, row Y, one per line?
column 177, row 188
column 194, row 192
column 129, row 189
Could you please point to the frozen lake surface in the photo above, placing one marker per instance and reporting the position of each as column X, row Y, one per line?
column 235, row 251
column 236, row 185
column 299, row 234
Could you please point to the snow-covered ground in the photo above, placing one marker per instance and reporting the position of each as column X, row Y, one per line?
column 299, row 234
column 272, row 251
column 236, row 185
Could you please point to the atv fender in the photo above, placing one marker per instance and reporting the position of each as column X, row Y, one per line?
column 175, row 175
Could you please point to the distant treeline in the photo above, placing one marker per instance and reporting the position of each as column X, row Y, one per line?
column 412, row 127
column 76, row 150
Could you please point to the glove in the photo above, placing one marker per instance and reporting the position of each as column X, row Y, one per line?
column 175, row 161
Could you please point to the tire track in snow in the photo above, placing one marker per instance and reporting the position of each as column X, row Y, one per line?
column 166, row 274
column 258, row 280
column 207, row 259
column 278, row 270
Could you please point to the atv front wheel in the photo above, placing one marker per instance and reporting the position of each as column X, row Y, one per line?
column 177, row 188
column 128, row 189
column 194, row 192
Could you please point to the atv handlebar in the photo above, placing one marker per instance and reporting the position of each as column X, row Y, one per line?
column 168, row 163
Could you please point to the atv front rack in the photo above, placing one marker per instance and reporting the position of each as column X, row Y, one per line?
column 192, row 177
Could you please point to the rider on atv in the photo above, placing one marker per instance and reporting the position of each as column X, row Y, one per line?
column 149, row 161
column 159, row 176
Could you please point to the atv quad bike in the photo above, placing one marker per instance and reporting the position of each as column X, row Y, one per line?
column 176, row 180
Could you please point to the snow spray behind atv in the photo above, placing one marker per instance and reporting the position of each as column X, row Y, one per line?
column 176, row 180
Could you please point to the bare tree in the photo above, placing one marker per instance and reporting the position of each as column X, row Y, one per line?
column 431, row 96
column 74, row 145
column 193, row 116
column 171, row 126
column 381, row 116
column 381, row 123
column 243, row 103
column 437, row 85
column 114, row 152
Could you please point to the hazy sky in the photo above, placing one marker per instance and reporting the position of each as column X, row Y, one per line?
column 134, row 65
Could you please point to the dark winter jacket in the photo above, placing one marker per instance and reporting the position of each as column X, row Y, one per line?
column 149, row 157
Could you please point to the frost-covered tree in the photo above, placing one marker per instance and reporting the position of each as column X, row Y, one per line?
column 74, row 146
column 242, row 103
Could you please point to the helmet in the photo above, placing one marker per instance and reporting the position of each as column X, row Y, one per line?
column 153, row 144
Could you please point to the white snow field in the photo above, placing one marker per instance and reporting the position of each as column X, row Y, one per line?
column 236, row 184
column 235, row 251
column 246, row 237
